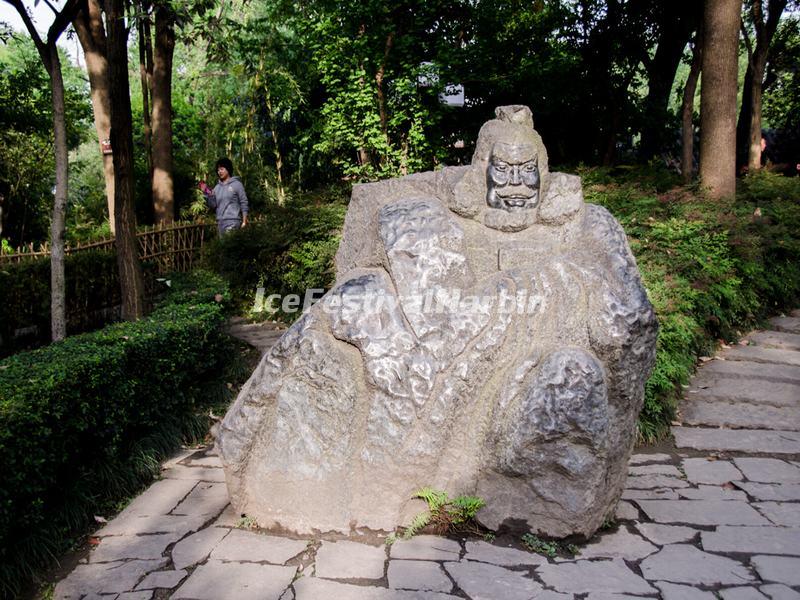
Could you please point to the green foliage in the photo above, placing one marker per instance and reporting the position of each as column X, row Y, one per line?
column 198, row 286
column 444, row 514
column 549, row 548
column 711, row 270
column 83, row 423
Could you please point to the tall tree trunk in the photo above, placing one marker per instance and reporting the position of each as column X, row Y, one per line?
column 276, row 149
column 92, row 36
column 58, row 319
column 718, row 97
column 145, row 74
column 130, row 271
column 687, row 110
column 163, row 195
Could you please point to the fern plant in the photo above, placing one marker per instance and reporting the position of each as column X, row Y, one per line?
column 444, row 514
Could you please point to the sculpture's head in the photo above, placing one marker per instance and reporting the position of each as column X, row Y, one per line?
column 514, row 158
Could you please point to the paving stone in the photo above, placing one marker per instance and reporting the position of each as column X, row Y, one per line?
column 204, row 461
column 180, row 455
column 162, row 579
column 159, row 499
column 196, row 547
column 740, row 413
column 778, row 591
column 418, row 575
column 753, row 540
column 182, row 472
column 350, row 560
column 313, row 588
column 670, row 470
column 646, row 482
column 426, row 547
column 248, row 546
column 593, row 576
column 626, row 512
column 672, row 591
column 481, row 581
column 702, row 512
column 607, row 596
column 752, row 370
column 702, row 470
column 681, row 563
column 143, row 595
column 641, row 459
column 712, row 492
column 666, row 534
column 768, row 470
column 120, row 547
column 140, row 524
column 786, row 514
column 761, row 354
column 742, row 593
column 620, row 544
column 780, row 569
column 776, row 339
column 765, row 491
column 498, row 555
column 750, row 391
column 217, row 580
column 207, row 499
column 228, row 518
column 657, row 494
column 106, row 578
column 790, row 324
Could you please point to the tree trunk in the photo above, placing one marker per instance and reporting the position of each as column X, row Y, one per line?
column 276, row 149
column 163, row 195
column 92, row 36
column 687, row 110
column 145, row 73
column 718, row 97
column 130, row 271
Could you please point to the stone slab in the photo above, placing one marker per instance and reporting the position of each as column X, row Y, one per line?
column 673, row 591
column 702, row 512
column 751, row 370
column 657, row 469
column 482, row 581
column 626, row 511
column 754, row 441
column 313, row 588
column 666, row 534
column 788, row 324
column 786, row 514
column 593, row 576
column 712, row 492
column 503, row 557
column 620, row 544
column 159, row 499
column 217, row 580
column 646, row 482
column 768, row 470
column 162, row 579
column 778, row 569
column 717, row 472
column 207, row 499
column 656, row 494
column 753, row 540
column 204, row 461
column 778, row 591
column 350, row 560
column 418, row 575
column 742, row 593
column 681, row 563
column 196, row 547
column 775, row 339
column 182, row 472
column 248, row 546
column 643, row 459
column 132, row 524
column 142, row 595
column 426, row 547
column 106, row 578
column 766, row 491
column 740, row 414
column 122, row 547
column 762, row 355
column 754, row 391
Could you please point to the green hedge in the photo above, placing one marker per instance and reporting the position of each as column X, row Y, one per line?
column 83, row 423
column 713, row 270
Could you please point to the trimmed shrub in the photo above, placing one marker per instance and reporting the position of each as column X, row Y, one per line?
column 84, row 422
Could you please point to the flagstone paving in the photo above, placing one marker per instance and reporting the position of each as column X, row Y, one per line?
column 714, row 516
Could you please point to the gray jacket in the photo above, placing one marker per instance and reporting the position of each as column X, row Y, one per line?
column 229, row 200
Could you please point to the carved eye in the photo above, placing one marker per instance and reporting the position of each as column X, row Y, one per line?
column 529, row 168
column 501, row 167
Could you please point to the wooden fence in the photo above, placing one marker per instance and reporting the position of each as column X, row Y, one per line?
column 171, row 248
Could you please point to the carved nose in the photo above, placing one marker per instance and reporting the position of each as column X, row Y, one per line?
column 515, row 179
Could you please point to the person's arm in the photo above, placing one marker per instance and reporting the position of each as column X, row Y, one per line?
column 208, row 194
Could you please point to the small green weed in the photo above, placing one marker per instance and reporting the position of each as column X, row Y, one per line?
column 444, row 514
column 549, row 548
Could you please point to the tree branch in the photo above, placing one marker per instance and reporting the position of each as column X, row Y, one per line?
column 26, row 19
column 748, row 44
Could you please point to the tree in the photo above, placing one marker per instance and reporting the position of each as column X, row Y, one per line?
column 163, row 50
column 48, row 52
column 88, row 24
column 718, row 97
column 687, row 109
column 764, row 27
column 130, row 271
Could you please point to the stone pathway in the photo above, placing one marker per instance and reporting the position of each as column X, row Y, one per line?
column 260, row 335
column 717, row 516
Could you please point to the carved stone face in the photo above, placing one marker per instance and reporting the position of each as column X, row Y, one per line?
column 512, row 179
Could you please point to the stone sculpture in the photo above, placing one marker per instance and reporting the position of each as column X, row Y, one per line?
column 488, row 333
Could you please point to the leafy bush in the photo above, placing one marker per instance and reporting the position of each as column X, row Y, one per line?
column 711, row 269
column 83, row 423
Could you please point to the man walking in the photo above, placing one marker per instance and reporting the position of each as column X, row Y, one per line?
column 228, row 198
